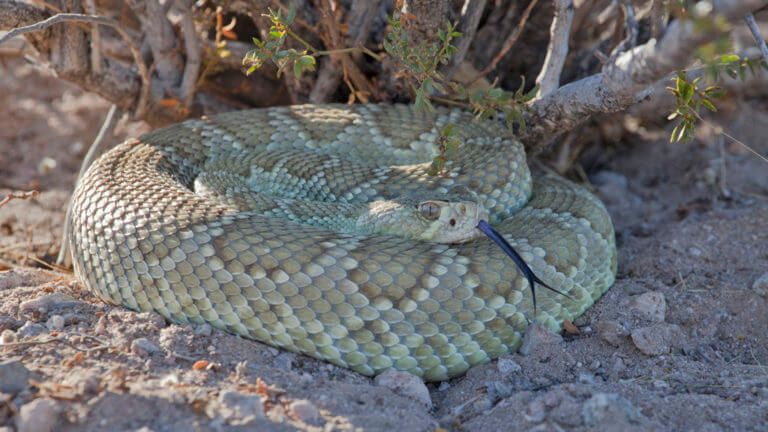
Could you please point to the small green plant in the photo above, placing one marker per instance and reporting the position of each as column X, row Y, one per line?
column 272, row 47
column 690, row 97
column 421, row 68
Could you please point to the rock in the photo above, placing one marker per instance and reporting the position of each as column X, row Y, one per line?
column 611, row 186
column 405, row 384
column 651, row 306
column 508, row 366
column 7, row 336
column 14, row 376
column 143, row 347
column 305, row 411
column 45, row 303
column 658, row 339
column 40, row 415
column 236, row 408
column 30, row 330
column 203, row 330
column 445, row 385
column 536, row 336
column 761, row 285
column 536, row 411
column 605, row 177
column 612, row 332
column 610, row 412
column 55, row 322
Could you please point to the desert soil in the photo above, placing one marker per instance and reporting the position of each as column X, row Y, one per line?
column 678, row 343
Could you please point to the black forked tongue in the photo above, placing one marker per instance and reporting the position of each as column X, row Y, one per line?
column 527, row 272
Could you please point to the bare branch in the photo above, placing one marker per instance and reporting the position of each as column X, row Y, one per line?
column 559, row 34
column 471, row 12
column 626, row 79
column 756, row 34
column 192, row 48
column 71, row 17
column 161, row 38
column 95, row 39
column 657, row 18
column 630, row 27
column 507, row 43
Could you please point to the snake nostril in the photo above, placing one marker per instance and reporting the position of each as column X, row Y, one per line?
column 462, row 208
column 453, row 222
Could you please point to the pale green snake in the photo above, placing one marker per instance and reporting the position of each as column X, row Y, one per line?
column 175, row 222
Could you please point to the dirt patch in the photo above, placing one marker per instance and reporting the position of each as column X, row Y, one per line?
column 677, row 344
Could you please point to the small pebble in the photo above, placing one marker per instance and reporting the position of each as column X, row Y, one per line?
column 658, row 339
column 405, row 384
column 538, row 335
column 651, row 306
column 14, row 376
column 536, row 411
column 761, row 285
column 203, row 330
column 612, row 332
column 305, row 411
column 40, row 415
column 609, row 411
column 695, row 251
column 30, row 330
column 7, row 336
column 586, row 378
column 236, row 408
column 55, row 322
column 508, row 366
column 443, row 386
column 143, row 347
column 45, row 303
column 46, row 165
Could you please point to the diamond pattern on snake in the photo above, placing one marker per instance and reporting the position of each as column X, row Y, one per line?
column 317, row 229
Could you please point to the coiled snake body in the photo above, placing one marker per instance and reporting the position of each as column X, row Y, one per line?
column 225, row 220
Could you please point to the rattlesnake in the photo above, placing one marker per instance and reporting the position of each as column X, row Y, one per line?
column 225, row 220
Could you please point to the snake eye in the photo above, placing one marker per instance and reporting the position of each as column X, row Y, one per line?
column 430, row 210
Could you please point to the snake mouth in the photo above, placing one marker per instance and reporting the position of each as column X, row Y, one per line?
column 497, row 238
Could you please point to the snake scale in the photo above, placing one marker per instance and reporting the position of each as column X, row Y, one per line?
column 226, row 220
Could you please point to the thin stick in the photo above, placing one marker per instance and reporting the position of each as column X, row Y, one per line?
column 18, row 195
column 106, row 128
column 507, row 44
column 756, row 34
column 192, row 48
column 73, row 17
column 559, row 33
column 95, row 40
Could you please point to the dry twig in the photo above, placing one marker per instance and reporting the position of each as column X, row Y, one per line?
column 73, row 17
column 18, row 195
column 559, row 32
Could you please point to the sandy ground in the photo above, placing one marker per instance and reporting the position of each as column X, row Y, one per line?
column 677, row 344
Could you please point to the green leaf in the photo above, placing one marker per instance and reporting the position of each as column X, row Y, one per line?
column 291, row 15
column 709, row 105
column 303, row 63
column 448, row 130
column 730, row 58
column 714, row 92
column 251, row 70
column 687, row 92
column 674, row 133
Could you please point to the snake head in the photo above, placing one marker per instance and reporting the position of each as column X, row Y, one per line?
column 450, row 221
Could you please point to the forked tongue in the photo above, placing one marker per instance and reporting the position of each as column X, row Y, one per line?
column 527, row 272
